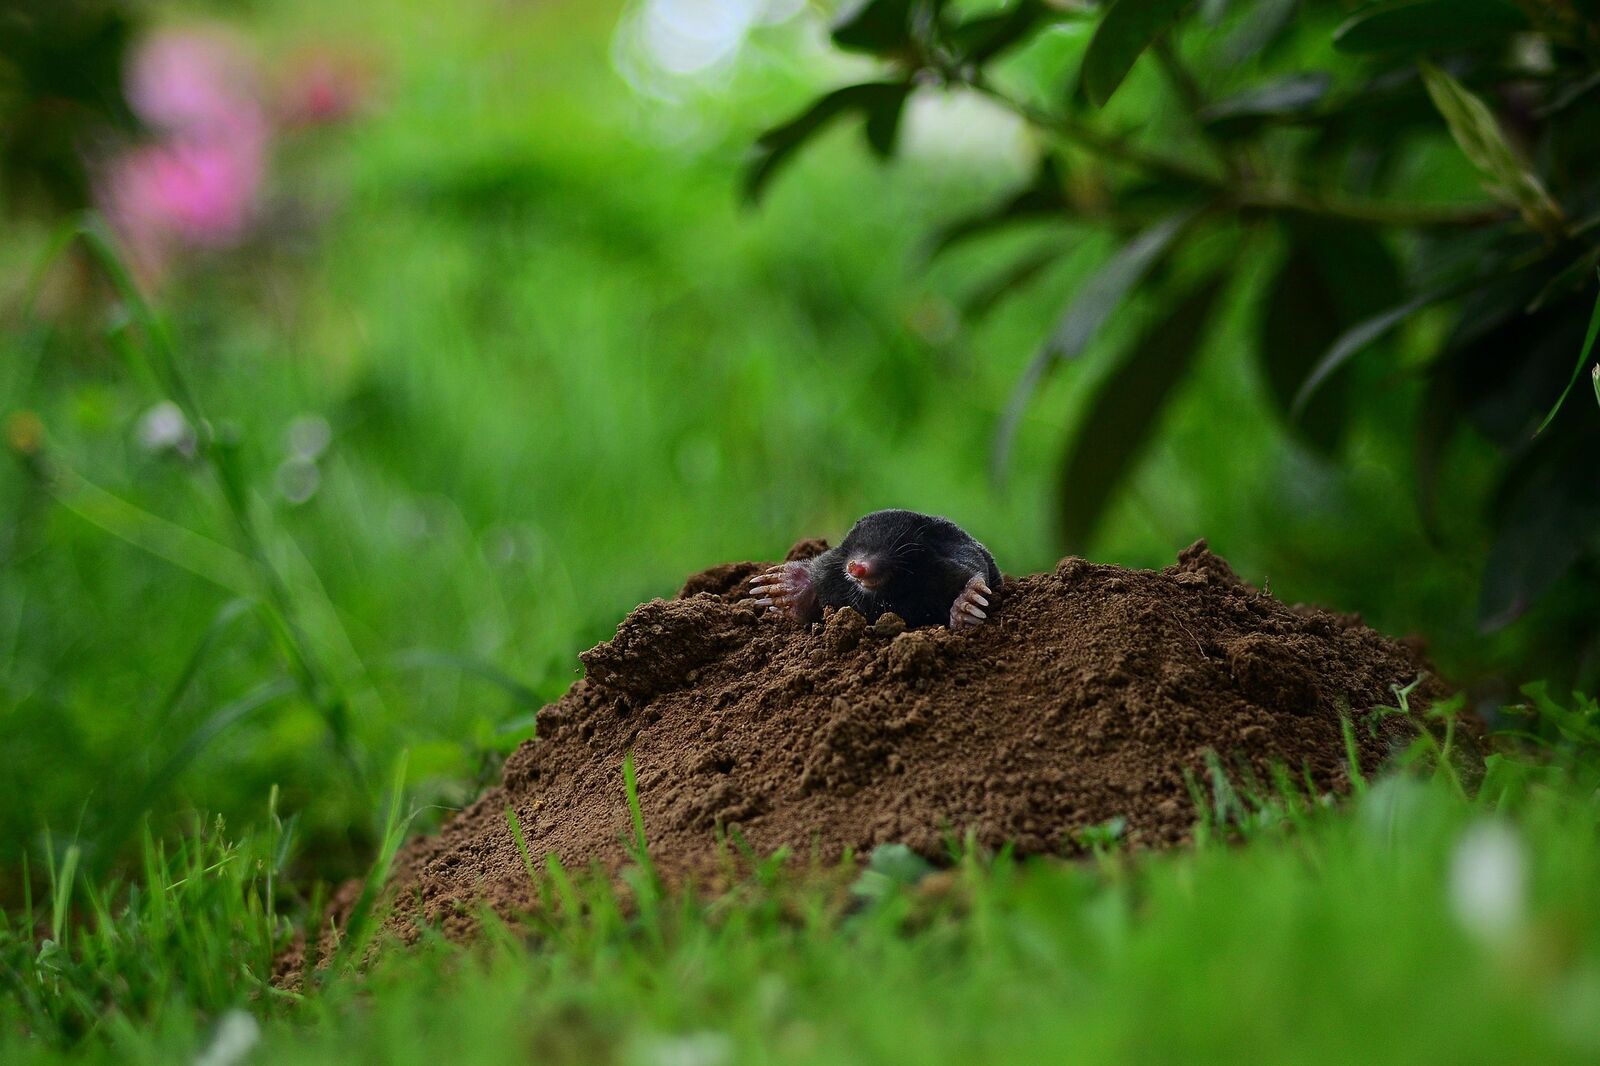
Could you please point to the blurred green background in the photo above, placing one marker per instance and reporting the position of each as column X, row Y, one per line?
column 504, row 355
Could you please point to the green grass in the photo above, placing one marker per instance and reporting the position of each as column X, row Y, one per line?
column 1295, row 931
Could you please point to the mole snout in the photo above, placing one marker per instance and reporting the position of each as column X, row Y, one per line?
column 867, row 573
column 924, row 568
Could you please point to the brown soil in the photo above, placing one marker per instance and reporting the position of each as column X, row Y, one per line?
column 1086, row 697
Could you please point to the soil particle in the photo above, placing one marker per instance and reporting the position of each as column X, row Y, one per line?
column 1086, row 697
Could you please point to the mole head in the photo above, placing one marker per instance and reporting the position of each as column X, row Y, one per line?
column 882, row 547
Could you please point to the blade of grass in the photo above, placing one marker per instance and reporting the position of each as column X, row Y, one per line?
column 172, row 543
column 422, row 658
column 218, row 722
column 229, row 613
column 522, row 843
column 630, row 786
column 61, row 883
column 1358, row 782
column 360, row 926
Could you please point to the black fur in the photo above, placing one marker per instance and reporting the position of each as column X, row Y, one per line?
column 929, row 560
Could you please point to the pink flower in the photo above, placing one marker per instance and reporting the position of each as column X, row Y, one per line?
column 200, row 192
column 322, row 86
column 196, row 184
column 191, row 81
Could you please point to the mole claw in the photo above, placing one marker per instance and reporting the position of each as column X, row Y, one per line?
column 980, row 601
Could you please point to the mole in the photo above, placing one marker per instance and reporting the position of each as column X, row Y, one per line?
column 926, row 569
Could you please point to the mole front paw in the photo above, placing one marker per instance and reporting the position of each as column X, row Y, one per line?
column 786, row 590
column 968, row 610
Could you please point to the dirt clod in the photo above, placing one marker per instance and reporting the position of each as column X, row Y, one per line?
column 1087, row 697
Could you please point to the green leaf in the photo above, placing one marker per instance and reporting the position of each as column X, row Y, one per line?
column 891, row 868
column 880, row 101
column 1507, row 176
column 1094, row 302
column 1583, row 357
column 1043, row 197
column 1126, row 30
column 1595, row 374
column 1415, row 26
column 1124, row 412
column 1014, row 278
column 1356, row 338
column 1286, row 97
column 1334, row 276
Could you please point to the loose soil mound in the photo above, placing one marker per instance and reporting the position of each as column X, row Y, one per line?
column 1085, row 698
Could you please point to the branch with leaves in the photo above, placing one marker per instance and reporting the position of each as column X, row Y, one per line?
column 1306, row 161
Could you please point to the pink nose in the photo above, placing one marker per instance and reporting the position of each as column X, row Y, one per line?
column 860, row 570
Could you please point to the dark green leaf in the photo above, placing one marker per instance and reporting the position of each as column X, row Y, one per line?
column 1436, row 423
column 1287, row 97
column 883, row 27
column 1043, row 197
column 883, row 122
column 1569, row 95
column 1090, row 307
column 1546, row 521
column 1507, row 364
column 1583, row 359
column 1126, row 30
column 1124, row 411
column 880, row 101
column 1335, row 275
column 1356, row 338
column 980, row 39
column 1416, row 26
column 1569, row 279
column 1265, row 27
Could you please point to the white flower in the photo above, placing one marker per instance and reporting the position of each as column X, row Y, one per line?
column 236, row 1033
column 1488, row 881
column 163, row 428
column 308, row 437
column 298, row 480
column 703, row 1048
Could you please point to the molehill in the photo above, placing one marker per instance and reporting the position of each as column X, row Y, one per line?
column 1085, row 698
